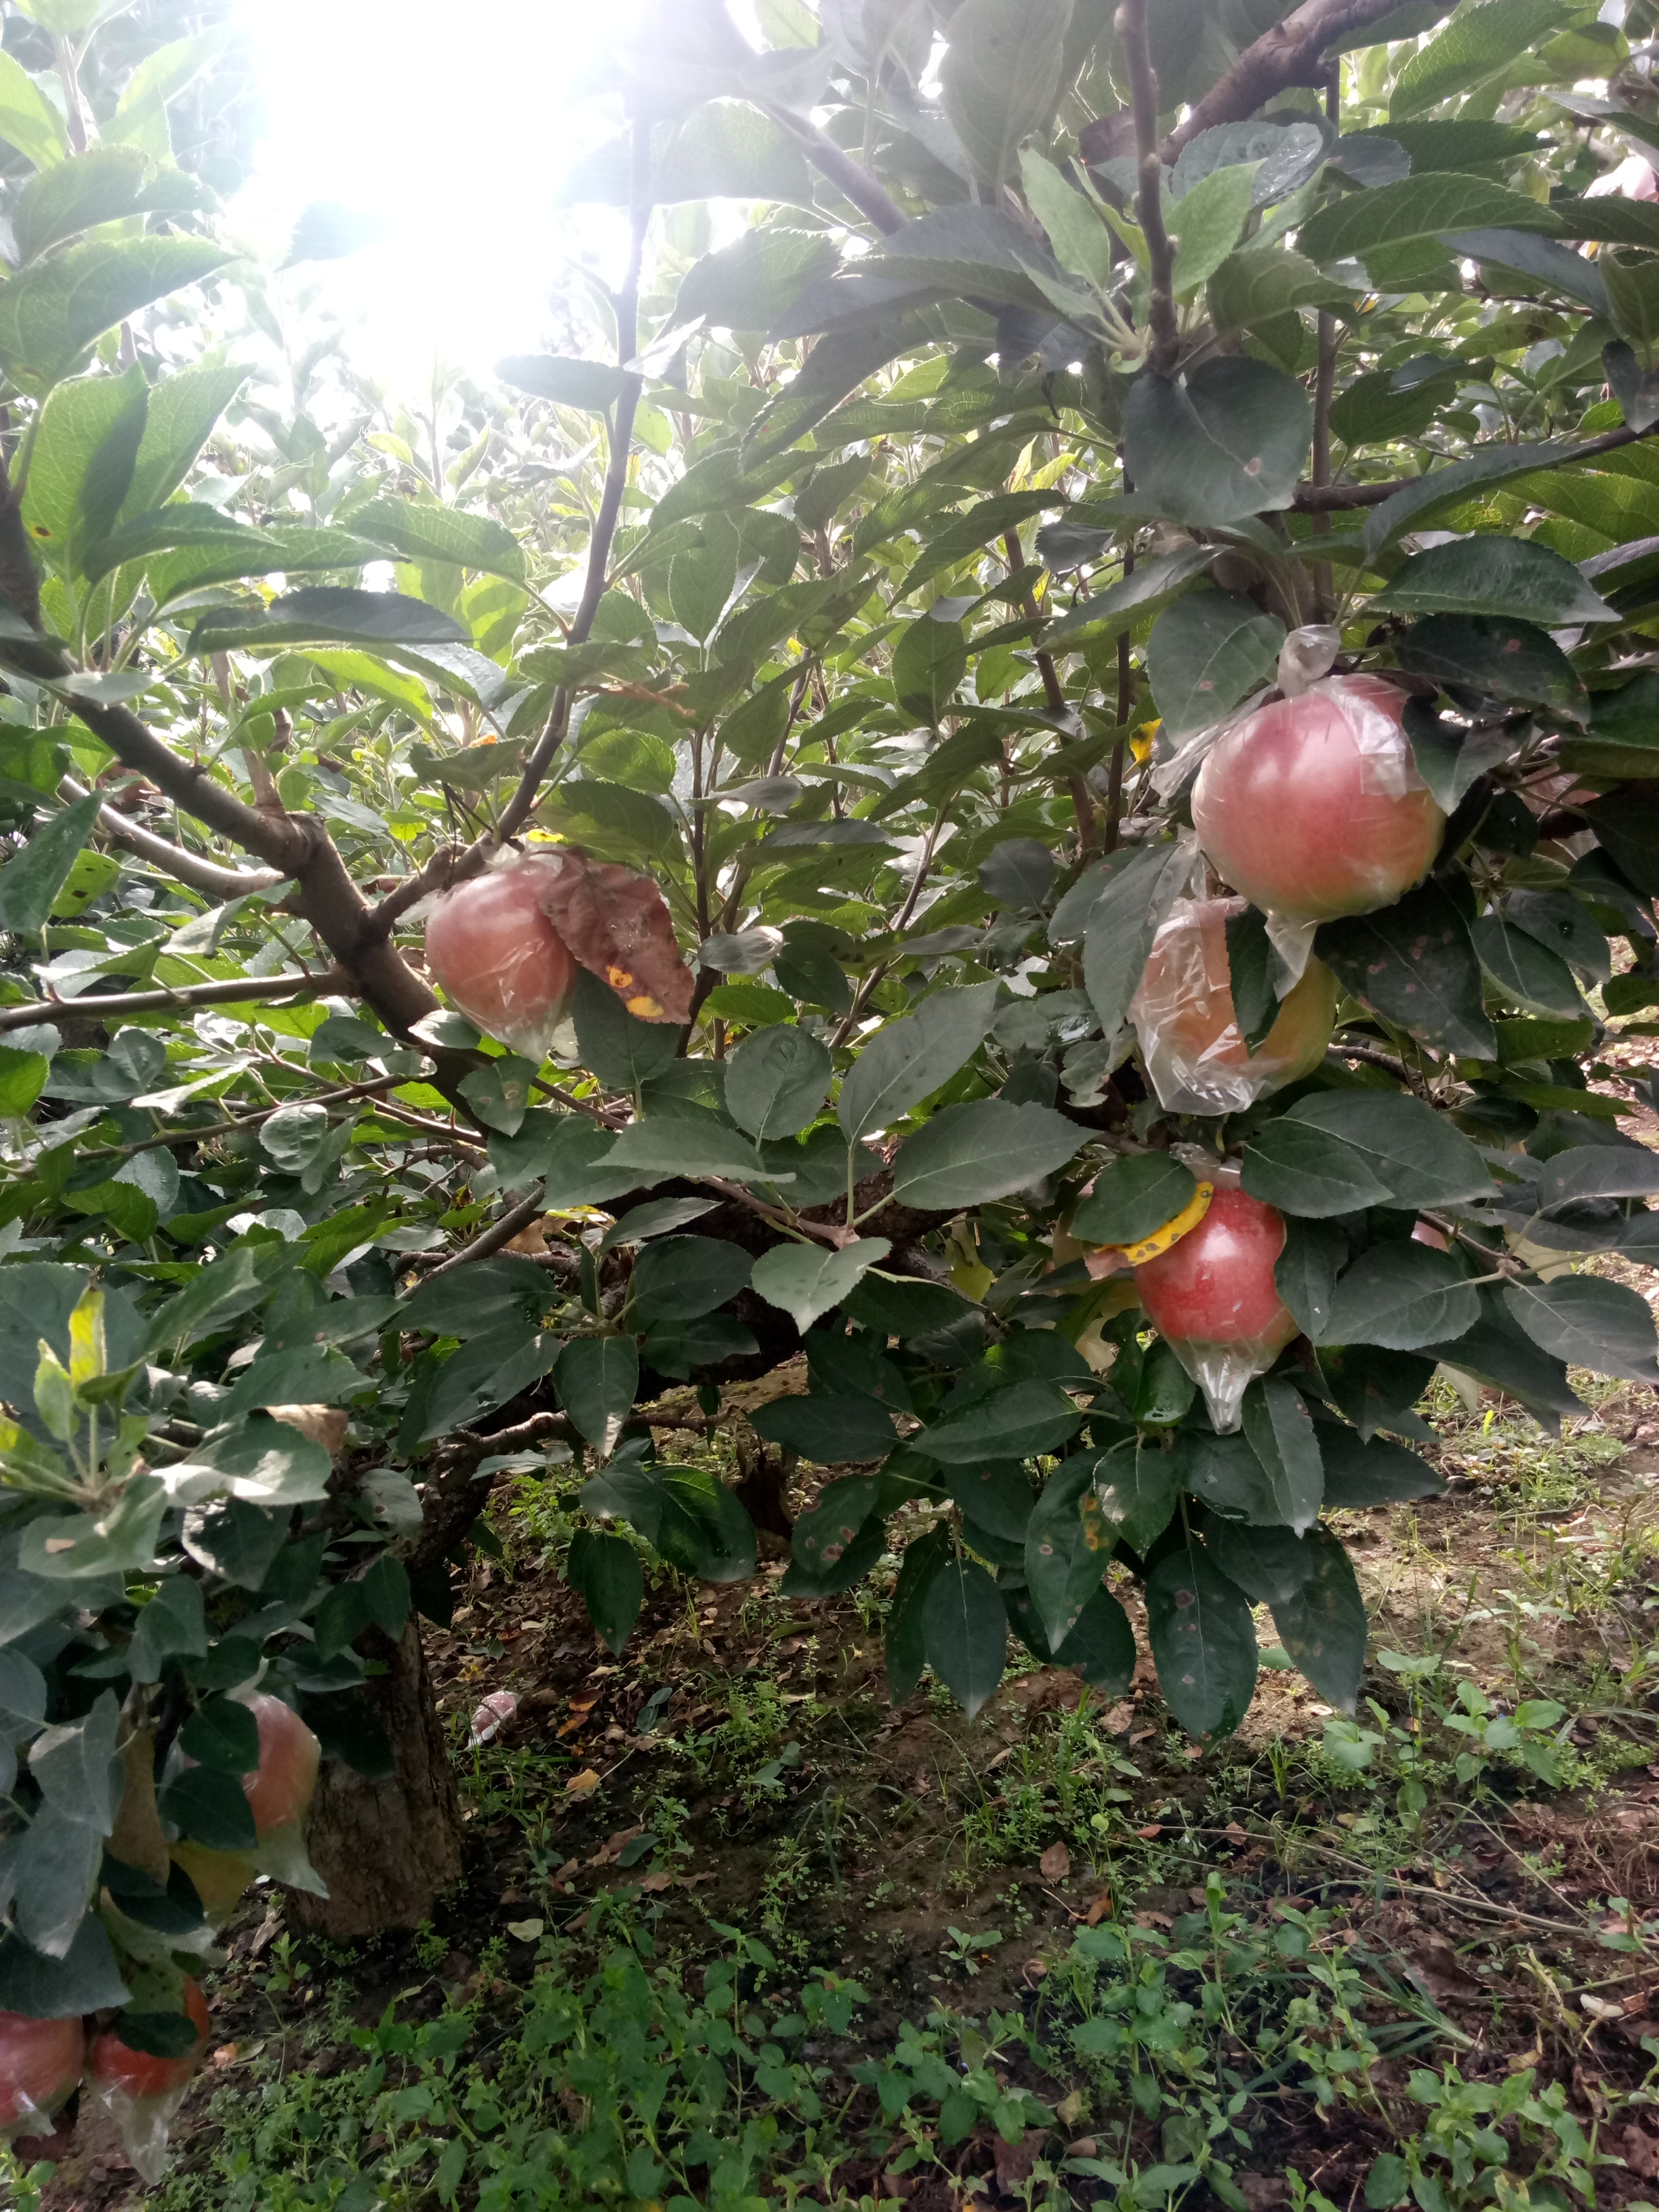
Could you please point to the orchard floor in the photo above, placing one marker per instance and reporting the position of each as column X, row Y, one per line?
column 977, row 1960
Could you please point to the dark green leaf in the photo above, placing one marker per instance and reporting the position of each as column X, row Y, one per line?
column 606, row 1571
column 1590, row 1322
column 1124, row 918
column 1281, row 1432
column 678, row 1278
column 777, row 1081
column 1525, row 972
column 1413, row 963
column 1494, row 657
column 1402, row 1296
column 969, row 1154
column 1491, row 574
column 829, row 1432
column 905, row 1649
column 965, row 1631
column 210, row 1809
column 31, row 880
column 1206, row 653
column 1308, row 1582
column 1017, row 1422
column 222, row 1734
column 908, row 1059
column 1132, row 1197
column 1203, row 1641
column 1137, row 1483
column 1359, row 1473
column 1231, row 441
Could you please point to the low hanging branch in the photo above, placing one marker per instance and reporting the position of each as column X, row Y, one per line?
column 249, row 990
column 1165, row 349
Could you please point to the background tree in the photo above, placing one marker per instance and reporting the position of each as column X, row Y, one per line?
column 852, row 636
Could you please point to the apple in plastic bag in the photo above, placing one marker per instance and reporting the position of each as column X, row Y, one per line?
column 40, row 2062
column 499, row 960
column 281, row 1789
column 1312, row 807
column 1212, row 1295
column 1184, row 1018
column 118, row 2070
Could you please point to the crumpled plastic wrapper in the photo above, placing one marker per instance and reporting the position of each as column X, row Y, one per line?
column 491, row 1715
column 1224, row 1373
column 1184, row 1017
column 512, row 949
column 145, row 2125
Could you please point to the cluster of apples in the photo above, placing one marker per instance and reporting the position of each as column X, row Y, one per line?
column 42, row 2061
column 1313, row 809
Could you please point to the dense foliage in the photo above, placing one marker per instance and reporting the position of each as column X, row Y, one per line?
column 853, row 635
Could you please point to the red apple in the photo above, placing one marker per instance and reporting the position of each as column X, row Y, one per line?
column 281, row 1789
column 1183, row 1015
column 498, row 956
column 1213, row 1297
column 40, row 2062
column 1313, row 808
column 117, row 2069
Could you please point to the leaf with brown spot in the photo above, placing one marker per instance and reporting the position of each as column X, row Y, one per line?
column 617, row 923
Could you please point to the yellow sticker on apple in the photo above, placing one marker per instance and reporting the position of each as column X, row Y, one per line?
column 1148, row 1247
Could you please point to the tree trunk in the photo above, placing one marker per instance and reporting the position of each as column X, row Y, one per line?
column 389, row 1849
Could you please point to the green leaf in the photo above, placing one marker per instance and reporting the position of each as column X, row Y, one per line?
column 385, row 1593
column 1308, row 1582
column 1588, row 1322
column 1413, row 1154
column 829, row 1432
column 908, row 1059
column 805, row 1281
column 1145, row 590
column 1132, row 1197
column 1494, row 657
column 621, row 1050
column 210, row 1809
column 1229, row 441
column 1138, row 1484
column 964, row 1631
column 1206, row 222
column 1001, row 75
column 1207, row 652
column 1281, row 1434
column 663, row 1145
column 50, row 311
column 752, row 283
column 28, row 120
column 1100, row 1646
column 777, row 1081
column 418, row 531
column 1063, row 1570
column 1124, row 918
column 1415, row 503
column 1358, row 1473
column 594, row 386
column 1526, row 972
column 86, row 1977
column 969, row 1154
column 1402, row 1296
column 1203, row 1641
column 929, row 660
column 223, row 1734
column 103, row 184
column 85, row 449
column 1305, row 1271
column 1537, row 261
column 606, row 1571
column 1477, row 45
column 1019, row 1422
column 1416, row 207
column 31, row 880
column 326, row 614
column 22, row 1077
column 1077, row 231
column 1414, row 964
column 678, row 1278
column 905, row 1653
column 1491, row 574
column 1250, row 288
column 1558, row 920
column 596, row 1377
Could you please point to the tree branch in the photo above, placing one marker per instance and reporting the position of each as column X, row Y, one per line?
column 512, row 1222
column 517, row 808
column 1054, row 693
column 1165, row 349
column 1291, row 54
column 209, row 876
column 254, row 990
column 836, row 165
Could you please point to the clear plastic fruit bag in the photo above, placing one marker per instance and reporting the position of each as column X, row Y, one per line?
column 498, row 957
column 1187, row 1027
column 1213, row 1297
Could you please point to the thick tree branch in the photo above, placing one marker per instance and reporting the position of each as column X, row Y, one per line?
column 1149, row 198
column 1291, row 54
column 251, row 990
column 1317, row 498
column 836, row 165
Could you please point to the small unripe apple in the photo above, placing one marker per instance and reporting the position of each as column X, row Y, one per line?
column 499, row 959
column 1184, row 1018
column 116, row 2068
column 282, row 1788
column 1313, row 808
column 219, row 1877
column 40, row 2062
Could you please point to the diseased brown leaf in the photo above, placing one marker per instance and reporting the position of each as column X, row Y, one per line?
column 1056, row 1864
column 617, row 923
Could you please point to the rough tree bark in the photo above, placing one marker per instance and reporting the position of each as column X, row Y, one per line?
column 388, row 1851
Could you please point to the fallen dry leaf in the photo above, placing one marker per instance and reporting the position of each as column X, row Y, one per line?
column 1014, row 2161
column 323, row 1424
column 1153, row 1828
column 1056, row 1864
column 1121, row 1718
column 1641, row 2153
column 1440, row 1973
column 1235, row 1834
column 583, row 1784
column 655, row 1882
column 1099, row 1910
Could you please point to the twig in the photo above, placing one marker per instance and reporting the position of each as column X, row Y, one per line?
column 838, row 166
column 518, row 1218
column 209, row 877
column 1165, row 349
column 1291, row 54
column 1325, row 384
column 246, row 1121
column 1318, row 499
column 1375, row 1057
column 518, row 809
column 254, row 990
column 1054, row 693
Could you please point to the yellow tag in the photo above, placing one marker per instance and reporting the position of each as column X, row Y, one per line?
column 1172, row 1231
column 1144, row 739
